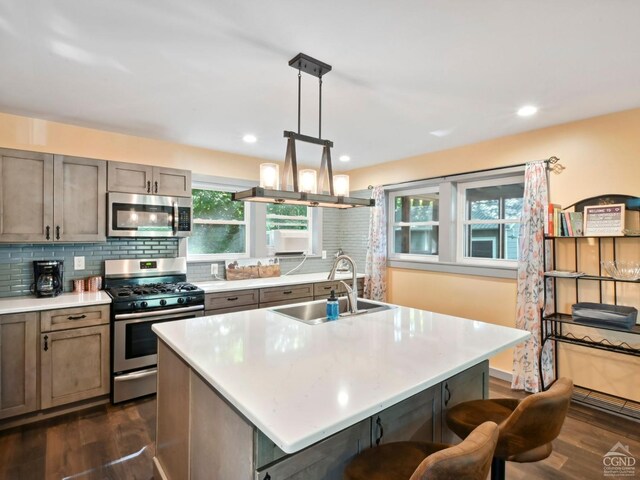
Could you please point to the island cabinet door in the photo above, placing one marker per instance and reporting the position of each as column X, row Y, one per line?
column 472, row 384
column 325, row 460
column 413, row 419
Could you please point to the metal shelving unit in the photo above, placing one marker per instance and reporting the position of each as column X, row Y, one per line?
column 552, row 325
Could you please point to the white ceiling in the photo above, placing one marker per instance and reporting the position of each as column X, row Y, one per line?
column 205, row 72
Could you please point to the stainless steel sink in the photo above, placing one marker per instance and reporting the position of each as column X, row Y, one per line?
column 314, row 313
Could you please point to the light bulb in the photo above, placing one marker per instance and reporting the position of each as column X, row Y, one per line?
column 307, row 181
column 269, row 176
column 341, row 185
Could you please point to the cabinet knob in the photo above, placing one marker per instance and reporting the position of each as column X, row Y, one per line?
column 46, row 343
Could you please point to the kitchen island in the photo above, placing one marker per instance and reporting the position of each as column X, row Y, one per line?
column 260, row 395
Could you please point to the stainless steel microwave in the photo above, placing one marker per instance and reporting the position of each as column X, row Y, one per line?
column 131, row 215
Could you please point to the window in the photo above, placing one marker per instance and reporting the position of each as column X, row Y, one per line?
column 490, row 212
column 220, row 226
column 288, row 217
column 415, row 226
column 458, row 223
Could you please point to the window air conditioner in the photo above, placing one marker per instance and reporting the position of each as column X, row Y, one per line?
column 290, row 241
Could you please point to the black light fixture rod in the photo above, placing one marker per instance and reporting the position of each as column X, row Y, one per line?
column 320, row 107
column 299, row 98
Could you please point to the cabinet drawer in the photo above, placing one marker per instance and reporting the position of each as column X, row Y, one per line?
column 277, row 294
column 324, row 289
column 213, row 301
column 65, row 318
column 241, row 308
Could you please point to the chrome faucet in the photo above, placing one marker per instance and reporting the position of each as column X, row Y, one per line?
column 352, row 292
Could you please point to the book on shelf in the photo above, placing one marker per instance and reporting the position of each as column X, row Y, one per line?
column 577, row 223
column 550, row 225
column 567, row 223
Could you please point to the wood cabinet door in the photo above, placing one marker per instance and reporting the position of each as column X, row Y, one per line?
column 472, row 384
column 26, row 196
column 414, row 419
column 79, row 192
column 18, row 353
column 129, row 178
column 172, row 182
column 74, row 365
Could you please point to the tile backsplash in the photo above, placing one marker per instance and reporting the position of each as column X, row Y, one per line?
column 16, row 267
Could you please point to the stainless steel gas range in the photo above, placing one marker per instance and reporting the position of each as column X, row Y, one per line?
column 144, row 292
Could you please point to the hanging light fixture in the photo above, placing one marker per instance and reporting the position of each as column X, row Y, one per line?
column 304, row 187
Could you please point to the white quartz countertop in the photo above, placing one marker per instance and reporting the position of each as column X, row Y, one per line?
column 300, row 383
column 31, row 303
column 232, row 285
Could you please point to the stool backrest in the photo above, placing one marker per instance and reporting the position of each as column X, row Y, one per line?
column 537, row 420
column 470, row 459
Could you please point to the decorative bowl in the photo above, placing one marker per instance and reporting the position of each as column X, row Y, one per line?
column 622, row 269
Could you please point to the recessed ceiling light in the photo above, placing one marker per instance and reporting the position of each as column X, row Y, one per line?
column 248, row 138
column 527, row 111
column 441, row 133
column 344, row 158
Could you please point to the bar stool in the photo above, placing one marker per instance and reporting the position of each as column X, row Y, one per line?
column 527, row 427
column 469, row 460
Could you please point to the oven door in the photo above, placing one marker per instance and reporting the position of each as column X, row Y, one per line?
column 135, row 345
column 133, row 215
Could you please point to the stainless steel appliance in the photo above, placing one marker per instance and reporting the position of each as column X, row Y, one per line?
column 47, row 278
column 144, row 292
column 131, row 215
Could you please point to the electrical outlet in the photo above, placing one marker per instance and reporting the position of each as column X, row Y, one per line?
column 78, row 263
column 324, row 254
column 214, row 269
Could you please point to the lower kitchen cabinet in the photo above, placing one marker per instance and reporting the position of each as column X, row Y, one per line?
column 18, row 360
column 471, row 384
column 74, row 365
column 414, row 419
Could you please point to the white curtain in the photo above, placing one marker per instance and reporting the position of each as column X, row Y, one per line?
column 375, row 280
column 527, row 361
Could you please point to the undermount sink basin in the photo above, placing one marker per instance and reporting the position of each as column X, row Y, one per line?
column 314, row 313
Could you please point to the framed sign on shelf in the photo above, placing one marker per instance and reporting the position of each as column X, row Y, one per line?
column 604, row 220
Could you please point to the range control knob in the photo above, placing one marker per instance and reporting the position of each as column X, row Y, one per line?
column 180, row 300
column 163, row 302
column 143, row 304
column 187, row 299
column 133, row 305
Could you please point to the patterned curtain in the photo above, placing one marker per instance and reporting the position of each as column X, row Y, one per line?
column 527, row 362
column 375, row 271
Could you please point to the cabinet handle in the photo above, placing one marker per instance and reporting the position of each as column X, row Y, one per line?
column 379, row 424
column 156, row 185
column 448, row 394
column 267, row 477
column 48, row 232
column 46, row 343
column 232, row 299
column 148, row 186
column 76, row 317
column 287, row 292
column 57, row 232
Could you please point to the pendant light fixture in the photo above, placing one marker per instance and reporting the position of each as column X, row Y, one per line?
column 304, row 187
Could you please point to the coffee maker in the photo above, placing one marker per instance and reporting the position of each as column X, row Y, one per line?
column 47, row 275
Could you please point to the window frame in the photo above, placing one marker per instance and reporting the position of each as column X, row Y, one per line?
column 450, row 240
column 216, row 257
column 392, row 224
column 462, row 222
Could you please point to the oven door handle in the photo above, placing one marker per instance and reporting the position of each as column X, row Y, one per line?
column 136, row 375
column 175, row 218
column 164, row 313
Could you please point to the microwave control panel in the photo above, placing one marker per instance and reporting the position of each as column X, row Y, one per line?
column 184, row 219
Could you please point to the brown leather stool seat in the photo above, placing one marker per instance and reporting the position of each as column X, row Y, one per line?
column 471, row 459
column 527, row 427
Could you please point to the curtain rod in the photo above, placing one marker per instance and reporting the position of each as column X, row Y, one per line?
column 557, row 168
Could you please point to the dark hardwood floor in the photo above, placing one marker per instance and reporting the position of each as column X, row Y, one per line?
column 117, row 442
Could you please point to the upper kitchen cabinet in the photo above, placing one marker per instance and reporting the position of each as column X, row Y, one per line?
column 26, row 196
column 146, row 180
column 46, row 198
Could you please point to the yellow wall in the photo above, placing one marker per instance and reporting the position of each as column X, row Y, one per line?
column 44, row 136
column 601, row 155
